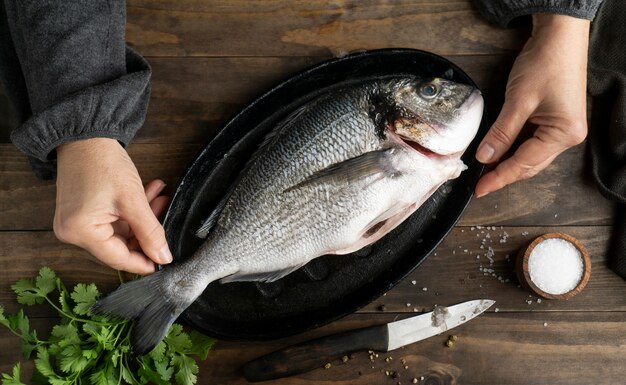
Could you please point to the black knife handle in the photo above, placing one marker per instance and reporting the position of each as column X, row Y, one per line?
column 313, row 354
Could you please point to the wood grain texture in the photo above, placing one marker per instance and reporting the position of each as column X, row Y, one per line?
column 508, row 349
column 311, row 28
column 574, row 348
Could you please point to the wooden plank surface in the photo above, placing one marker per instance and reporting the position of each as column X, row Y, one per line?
column 574, row 348
column 311, row 28
column 211, row 58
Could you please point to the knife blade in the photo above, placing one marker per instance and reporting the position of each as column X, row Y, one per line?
column 313, row 354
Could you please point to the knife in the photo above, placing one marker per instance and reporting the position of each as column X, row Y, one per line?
column 313, row 354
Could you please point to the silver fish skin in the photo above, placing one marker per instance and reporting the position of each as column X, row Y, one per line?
column 335, row 176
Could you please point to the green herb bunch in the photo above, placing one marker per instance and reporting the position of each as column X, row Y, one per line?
column 88, row 349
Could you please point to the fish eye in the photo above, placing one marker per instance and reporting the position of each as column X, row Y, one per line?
column 429, row 91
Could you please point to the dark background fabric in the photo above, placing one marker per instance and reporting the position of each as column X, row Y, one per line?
column 504, row 12
column 607, row 131
column 69, row 75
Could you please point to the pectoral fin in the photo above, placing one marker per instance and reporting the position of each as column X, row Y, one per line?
column 363, row 166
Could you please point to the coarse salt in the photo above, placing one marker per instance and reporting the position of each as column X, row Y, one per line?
column 555, row 266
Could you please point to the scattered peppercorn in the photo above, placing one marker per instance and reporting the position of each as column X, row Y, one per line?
column 453, row 338
column 327, row 366
column 449, row 343
column 382, row 308
column 344, row 359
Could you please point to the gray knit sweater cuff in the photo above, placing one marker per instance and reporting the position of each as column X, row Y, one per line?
column 115, row 109
column 502, row 12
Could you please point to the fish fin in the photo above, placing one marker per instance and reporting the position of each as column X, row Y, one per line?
column 144, row 301
column 153, row 325
column 210, row 222
column 362, row 166
column 271, row 276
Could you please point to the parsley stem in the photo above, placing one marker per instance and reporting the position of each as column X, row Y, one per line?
column 72, row 317
column 130, row 373
column 119, row 333
column 26, row 338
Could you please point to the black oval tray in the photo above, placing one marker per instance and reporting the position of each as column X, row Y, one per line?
column 329, row 287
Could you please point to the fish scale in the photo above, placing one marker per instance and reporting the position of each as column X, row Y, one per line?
column 333, row 177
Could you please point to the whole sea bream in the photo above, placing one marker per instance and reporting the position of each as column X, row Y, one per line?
column 336, row 175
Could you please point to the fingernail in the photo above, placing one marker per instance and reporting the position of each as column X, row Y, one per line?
column 165, row 255
column 482, row 194
column 485, row 152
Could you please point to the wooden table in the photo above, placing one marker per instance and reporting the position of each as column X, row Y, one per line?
column 210, row 58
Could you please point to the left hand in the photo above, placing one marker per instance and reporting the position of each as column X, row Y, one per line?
column 547, row 90
column 103, row 207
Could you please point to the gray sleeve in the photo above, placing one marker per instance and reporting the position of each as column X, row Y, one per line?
column 81, row 80
column 502, row 12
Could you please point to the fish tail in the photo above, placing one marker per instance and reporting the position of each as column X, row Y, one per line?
column 145, row 301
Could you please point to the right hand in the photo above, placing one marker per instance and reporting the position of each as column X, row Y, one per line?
column 101, row 206
column 547, row 92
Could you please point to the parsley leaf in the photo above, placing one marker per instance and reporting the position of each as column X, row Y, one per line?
column 19, row 324
column 164, row 369
column 72, row 359
column 15, row 378
column 3, row 319
column 46, row 281
column 65, row 334
column 42, row 363
column 187, row 369
column 148, row 374
column 27, row 292
column 200, row 344
column 177, row 340
column 84, row 296
column 88, row 349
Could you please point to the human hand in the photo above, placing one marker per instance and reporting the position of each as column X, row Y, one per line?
column 101, row 206
column 547, row 90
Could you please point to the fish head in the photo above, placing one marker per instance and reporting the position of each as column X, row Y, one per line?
column 438, row 116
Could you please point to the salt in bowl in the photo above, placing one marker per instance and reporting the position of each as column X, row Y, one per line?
column 554, row 266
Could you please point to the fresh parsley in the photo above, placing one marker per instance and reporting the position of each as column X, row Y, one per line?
column 88, row 349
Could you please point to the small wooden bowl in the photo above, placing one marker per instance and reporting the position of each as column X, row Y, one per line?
column 524, row 276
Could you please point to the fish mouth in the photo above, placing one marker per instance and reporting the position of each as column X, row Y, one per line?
column 405, row 141
column 419, row 148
